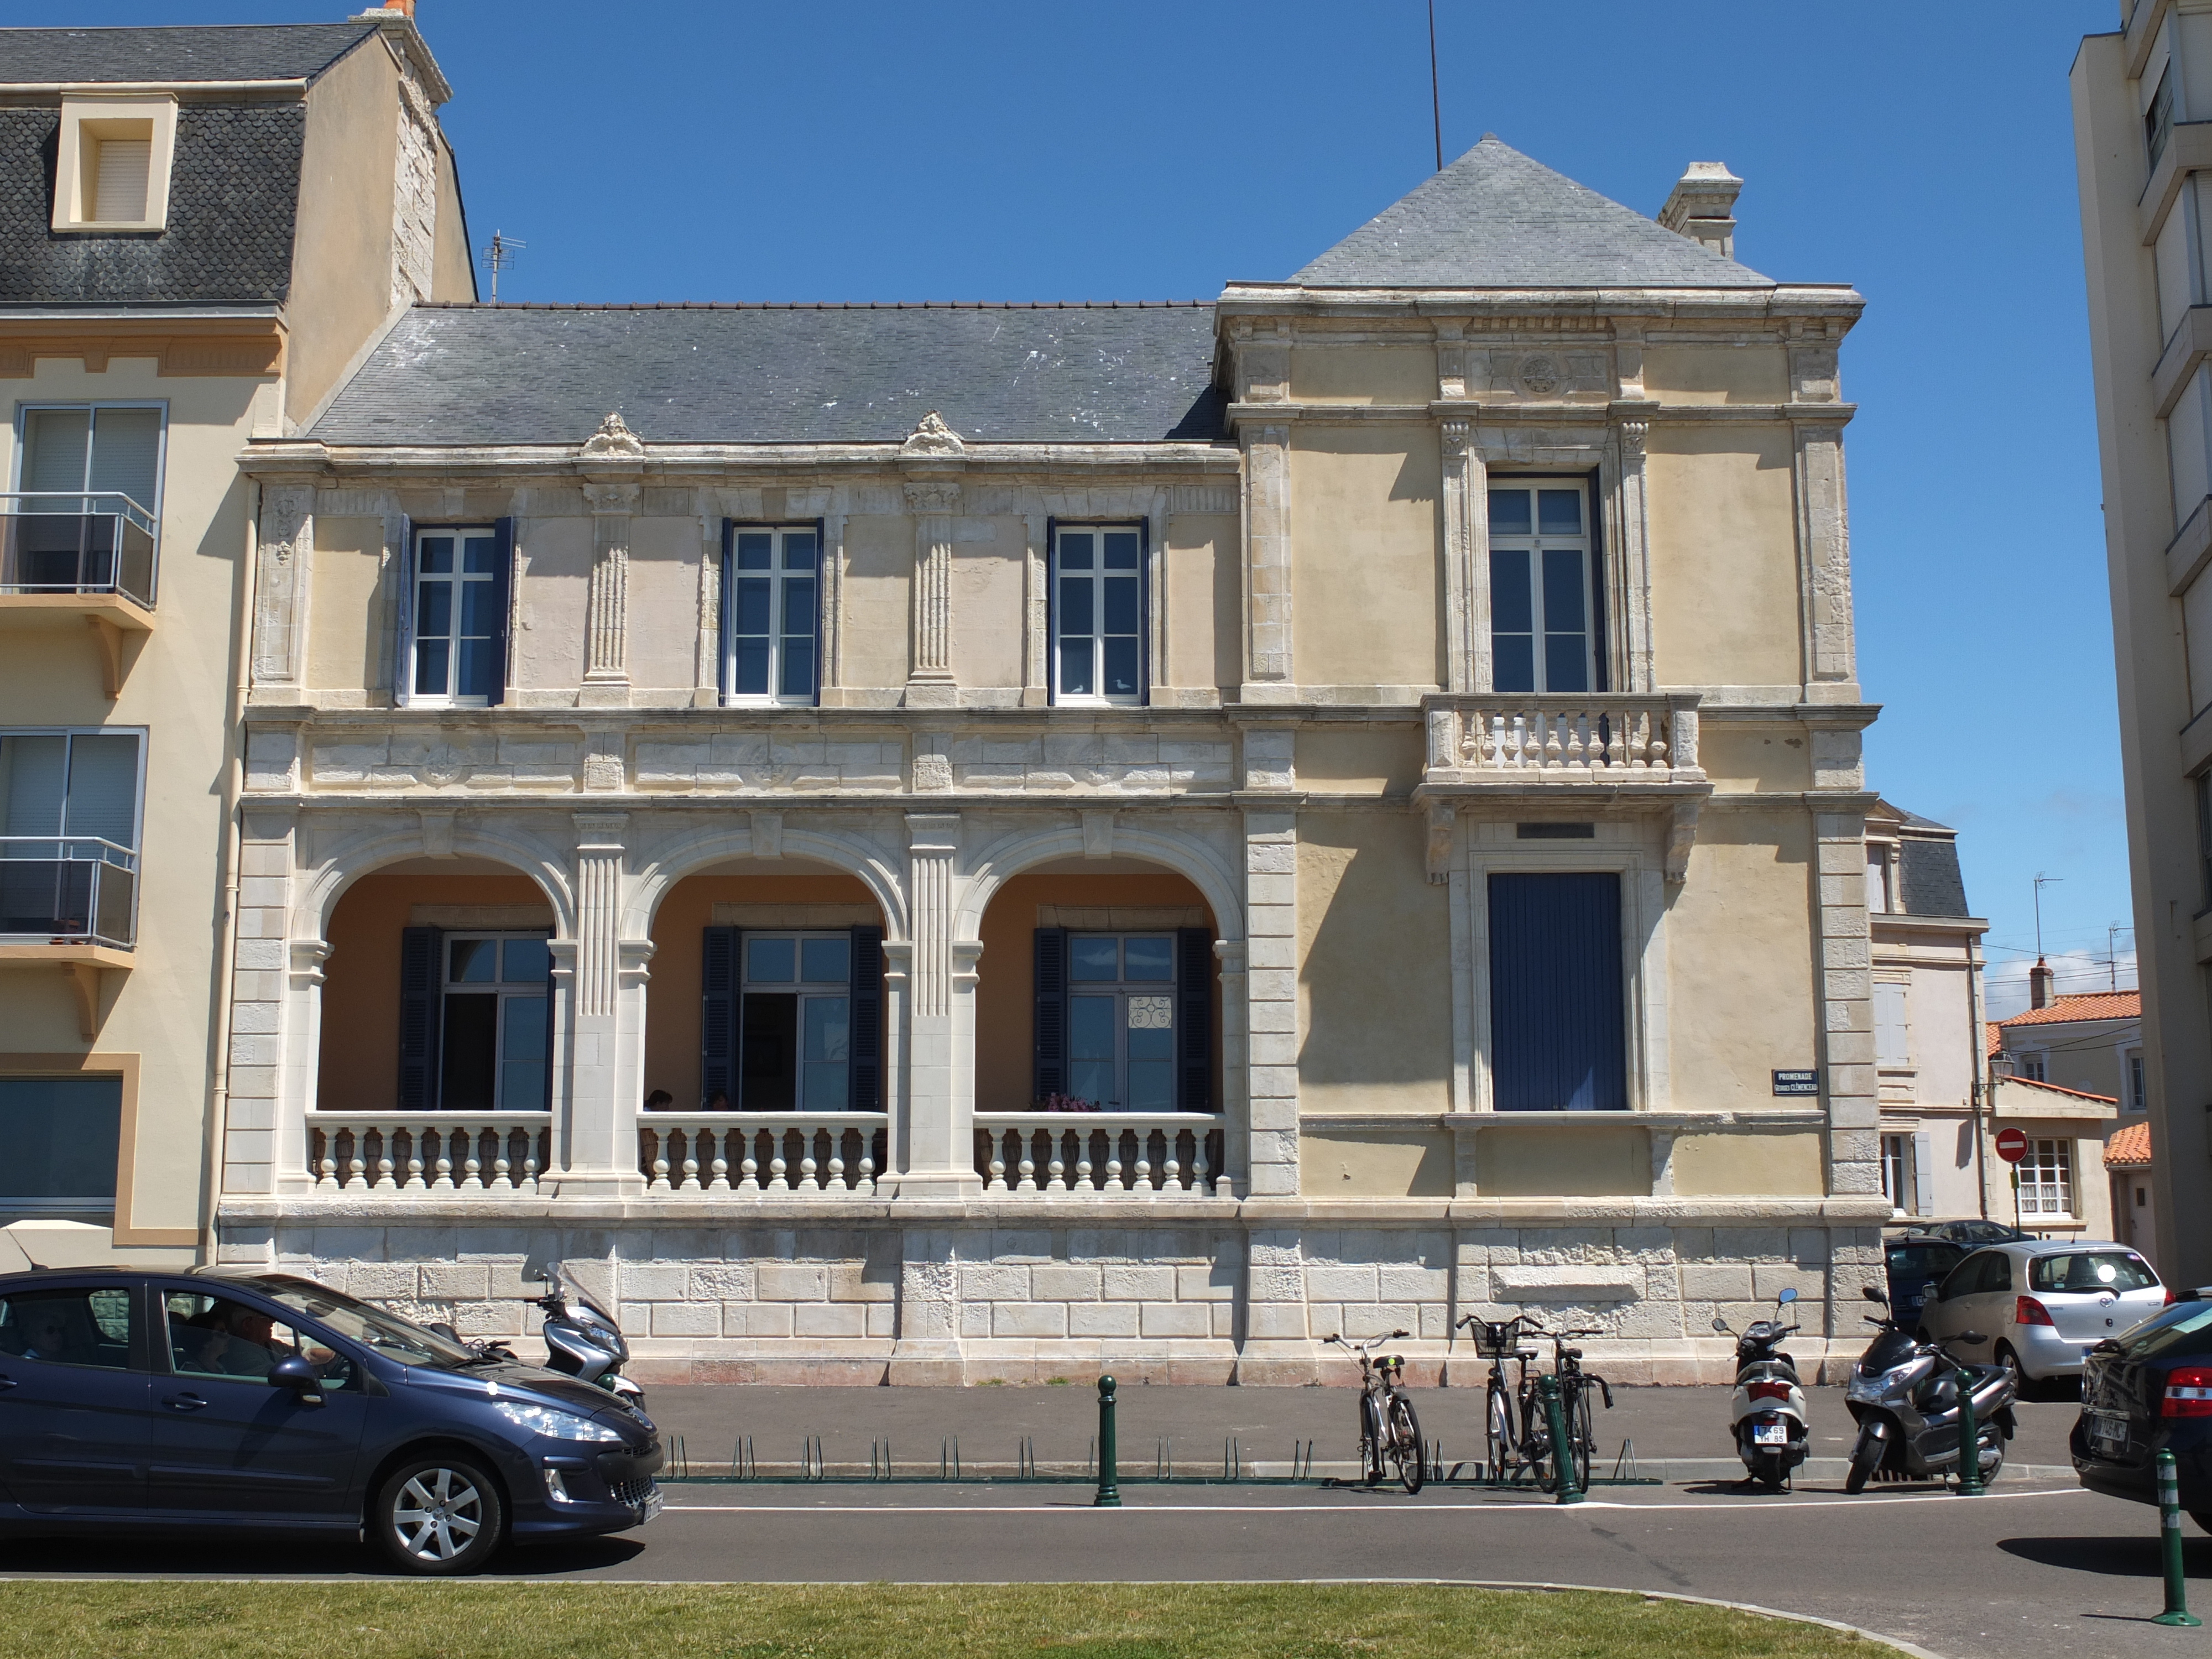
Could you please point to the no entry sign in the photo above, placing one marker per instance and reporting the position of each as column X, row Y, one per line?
column 2012, row 1144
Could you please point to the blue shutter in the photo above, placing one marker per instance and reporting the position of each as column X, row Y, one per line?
column 1051, row 982
column 420, row 949
column 722, row 633
column 821, row 602
column 551, row 985
column 864, row 1047
column 1145, row 613
column 718, row 1018
column 502, row 582
column 1600, row 646
column 1051, row 610
column 1557, row 1036
column 1194, row 1018
column 402, row 632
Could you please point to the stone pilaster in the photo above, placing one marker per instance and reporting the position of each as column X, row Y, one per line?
column 275, row 982
column 1236, row 1064
column 606, row 612
column 930, row 683
column 1632, row 585
column 1823, row 544
column 600, row 1008
column 939, row 1001
column 1036, row 643
column 1269, row 670
column 1467, row 562
column 1850, row 1081
column 286, row 542
column 1270, row 979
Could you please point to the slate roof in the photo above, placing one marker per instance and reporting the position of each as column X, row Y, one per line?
column 1928, row 873
column 517, row 374
column 1495, row 218
column 233, row 192
column 280, row 52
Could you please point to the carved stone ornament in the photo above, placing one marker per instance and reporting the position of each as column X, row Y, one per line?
column 931, row 436
column 613, row 441
column 443, row 768
column 931, row 772
column 1539, row 376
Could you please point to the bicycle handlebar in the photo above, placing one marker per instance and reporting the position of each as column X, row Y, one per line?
column 1368, row 1345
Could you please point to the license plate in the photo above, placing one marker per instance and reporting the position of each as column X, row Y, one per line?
column 1770, row 1434
column 650, row 1508
column 2108, row 1432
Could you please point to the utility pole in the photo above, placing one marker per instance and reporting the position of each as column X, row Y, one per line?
column 1436, row 100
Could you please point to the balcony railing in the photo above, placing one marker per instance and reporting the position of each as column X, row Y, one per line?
column 1523, row 739
column 392, row 1152
column 68, row 889
column 52, row 543
column 768, row 1154
column 1102, row 1155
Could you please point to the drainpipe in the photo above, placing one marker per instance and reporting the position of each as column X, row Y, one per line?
column 1981, row 1070
column 218, row 1115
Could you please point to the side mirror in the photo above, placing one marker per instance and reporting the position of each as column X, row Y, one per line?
column 1930, row 1291
column 1874, row 1293
column 1720, row 1325
column 1788, row 1293
column 295, row 1373
column 441, row 1328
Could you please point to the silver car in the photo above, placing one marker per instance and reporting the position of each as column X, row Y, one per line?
column 2044, row 1303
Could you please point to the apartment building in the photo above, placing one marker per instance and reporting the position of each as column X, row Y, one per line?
column 2142, row 123
column 942, row 842
column 200, row 228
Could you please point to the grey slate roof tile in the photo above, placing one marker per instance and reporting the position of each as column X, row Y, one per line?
column 1927, row 871
column 1495, row 218
column 279, row 51
column 473, row 374
column 234, row 191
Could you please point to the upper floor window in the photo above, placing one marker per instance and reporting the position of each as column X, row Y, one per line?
column 2133, row 1098
column 2158, row 120
column 69, row 834
column 1540, row 592
column 457, row 636
column 1097, row 614
column 771, row 612
column 2029, row 1063
column 87, row 500
column 2046, row 1179
column 112, row 166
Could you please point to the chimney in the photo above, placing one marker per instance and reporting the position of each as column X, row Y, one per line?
column 2039, row 984
column 1702, row 207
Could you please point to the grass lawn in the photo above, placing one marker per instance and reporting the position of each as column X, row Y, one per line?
column 388, row 1619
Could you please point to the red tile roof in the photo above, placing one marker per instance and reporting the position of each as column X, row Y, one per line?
column 2130, row 1148
column 2094, row 1005
column 2061, row 1089
column 1992, row 1037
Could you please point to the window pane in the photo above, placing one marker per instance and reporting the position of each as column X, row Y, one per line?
column 1511, row 604
column 477, row 556
column 127, row 452
column 827, row 1022
column 754, row 550
column 1120, row 550
column 1149, row 959
column 1152, row 1084
column 430, row 657
column 1508, row 512
column 1075, row 609
column 1075, row 550
column 436, row 558
column 1513, row 662
column 825, row 961
column 471, row 961
column 829, row 1086
column 1121, row 668
column 476, row 677
column 479, row 610
column 433, row 610
column 1560, row 512
column 522, row 1056
column 1075, row 668
column 751, row 613
column 57, row 1142
column 526, row 960
column 1092, row 957
column 1566, row 662
column 1563, row 591
column 798, row 550
column 32, row 773
column 797, row 679
column 769, row 961
column 799, row 606
column 57, row 442
column 768, row 1075
column 466, row 1072
column 1120, row 604
column 103, row 789
column 749, row 668
column 69, row 1327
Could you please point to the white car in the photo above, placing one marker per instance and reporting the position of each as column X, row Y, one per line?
column 2043, row 1304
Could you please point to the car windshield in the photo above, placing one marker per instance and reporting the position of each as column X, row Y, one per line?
column 1915, row 1259
column 2090, row 1272
column 373, row 1327
column 2174, row 1330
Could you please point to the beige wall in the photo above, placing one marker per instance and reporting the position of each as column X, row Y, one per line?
column 663, row 602
column 1724, row 600
column 1754, row 755
column 342, row 239
column 1716, row 372
column 453, row 275
column 1360, row 759
column 877, row 627
column 1748, row 1165
column 1363, row 375
column 350, row 613
column 1205, row 601
column 1364, row 572
column 1376, row 1163
column 989, row 575
column 554, row 582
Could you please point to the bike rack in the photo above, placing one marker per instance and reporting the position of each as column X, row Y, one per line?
column 1164, row 1465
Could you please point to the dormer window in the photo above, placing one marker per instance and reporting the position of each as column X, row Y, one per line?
column 112, row 172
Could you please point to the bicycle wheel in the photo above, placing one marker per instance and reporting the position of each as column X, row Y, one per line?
column 1497, row 1434
column 1407, row 1445
column 1535, row 1440
column 1581, row 1436
column 1371, row 1440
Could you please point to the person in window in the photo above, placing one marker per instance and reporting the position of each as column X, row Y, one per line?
column 719, row 1103
column 200, row 1344
column 661, row 1101
column 46, row 1337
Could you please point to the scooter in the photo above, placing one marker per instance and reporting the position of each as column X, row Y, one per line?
column 1767, row 1413
column 583, row 1340
column 1904, row 1394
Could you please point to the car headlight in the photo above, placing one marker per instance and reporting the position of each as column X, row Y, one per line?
column 552, row 1422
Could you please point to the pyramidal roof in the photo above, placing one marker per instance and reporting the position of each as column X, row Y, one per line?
column 1495, row 218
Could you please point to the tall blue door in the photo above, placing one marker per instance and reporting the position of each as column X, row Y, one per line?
column 1557, row 1036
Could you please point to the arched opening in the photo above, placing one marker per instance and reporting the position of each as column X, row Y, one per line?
column 1097, row 999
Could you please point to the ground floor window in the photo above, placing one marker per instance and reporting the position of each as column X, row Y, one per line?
column 1897, row 1172
column 1123, row 1020
column 2046, row 1179
column 1557, row 1016
column 58, row 1137
column 475, row 1021
column 793, row 1021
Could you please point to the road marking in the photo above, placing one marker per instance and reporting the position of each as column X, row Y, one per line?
column 1330, row 1511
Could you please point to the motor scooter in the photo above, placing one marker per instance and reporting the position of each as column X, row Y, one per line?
column 1766, row 1412
column 583, row 1340
column 1904, row 1394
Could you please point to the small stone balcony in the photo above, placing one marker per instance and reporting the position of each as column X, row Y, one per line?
column 1560, row 746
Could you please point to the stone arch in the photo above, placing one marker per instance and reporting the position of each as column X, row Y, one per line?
column 1022, row 849
column 367, row 851
column 694, row 850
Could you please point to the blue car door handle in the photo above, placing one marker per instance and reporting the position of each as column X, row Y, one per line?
column 183, row 1402
column 7, row 1383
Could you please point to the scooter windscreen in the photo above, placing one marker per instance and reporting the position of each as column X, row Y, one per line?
column 1889, row 1350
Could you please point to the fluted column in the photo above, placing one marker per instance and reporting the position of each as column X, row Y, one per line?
column 930, row 681
column 606, row 618
column 939, row 1082
column 1467, row 562
column 1632, row 595
column 1270, row 674
column 604, row 1017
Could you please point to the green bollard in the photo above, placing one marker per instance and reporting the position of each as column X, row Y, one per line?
column 1109, row 1490
column 1563, row 1455
column 2169, row 1533
column 1970, row 1440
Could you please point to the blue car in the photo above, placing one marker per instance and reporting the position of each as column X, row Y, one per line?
column 1912, row 1260
column 210, row 1402
column 2147, row 1392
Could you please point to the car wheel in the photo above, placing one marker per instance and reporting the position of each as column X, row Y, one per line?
column 440, row 1516
column 2010, row 1361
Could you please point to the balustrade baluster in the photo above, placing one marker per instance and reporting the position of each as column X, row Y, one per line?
column 1614, row 748
column 1113, row 1163
column 1552, row 750
column 499, row 1183
column 1028, row 1162
column 1658, row 742
column 837, row 1173
column 659, row 1182
column 529, row 1173
column 749, row 1171
column 1170, row 1170
column 1083, row 1183
column 690, row 1175
column 414, row 1183
column 994, row 1142
column 718, row 1143
column 1055, row 1167
column 1578, row 738
column 442, row 1181
column 1199, row 1185
column 775, row 1181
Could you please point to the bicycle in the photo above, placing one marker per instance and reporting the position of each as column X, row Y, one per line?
column 1574, row 1398
column 1516, row 1439
column 1387, row 1426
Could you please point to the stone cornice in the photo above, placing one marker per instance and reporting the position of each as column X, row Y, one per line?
column 1787, row 299
column 246, row 345
column 1588, row 412
column 701, row 464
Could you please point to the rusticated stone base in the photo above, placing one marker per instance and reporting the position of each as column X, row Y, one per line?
column 864, row 1292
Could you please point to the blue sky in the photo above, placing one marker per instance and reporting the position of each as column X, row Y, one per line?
column 1152, row 150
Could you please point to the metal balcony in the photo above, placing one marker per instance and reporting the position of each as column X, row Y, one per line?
column 54, row 544
column 68, row 891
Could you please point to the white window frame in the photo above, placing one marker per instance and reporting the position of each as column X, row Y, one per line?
column 1122, row 989
column 92, row 406
column 2046, row 1180
column 1099, row 575
column 2134, row 1081
column 457, row 581
column 1534, row 545
column 802, row 991
column 86, row 123
column 2031, row 1065
column 1897, row 1172
column 134, row 854
column 504, row 991
column 777, row 578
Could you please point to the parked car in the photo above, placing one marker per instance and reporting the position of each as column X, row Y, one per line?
column 2149, row 1391
column 209, row 1402
column 1913, row 1259
column 1972, row 1232
column 2046, row 1302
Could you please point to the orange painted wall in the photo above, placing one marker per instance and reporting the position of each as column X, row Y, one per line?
column 1005, row 990
column 672, row 995
column 359, row 1062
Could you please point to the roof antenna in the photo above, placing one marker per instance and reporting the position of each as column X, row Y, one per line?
column 1436, row 103
column 499, row 256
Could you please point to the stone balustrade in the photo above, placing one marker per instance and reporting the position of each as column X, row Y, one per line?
column 395, row 1152
column 1102, row 1154
column 1523, row 739
column 762, row 1153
